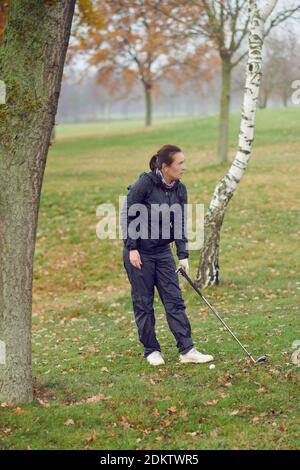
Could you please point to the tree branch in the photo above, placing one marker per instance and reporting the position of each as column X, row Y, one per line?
column 281, row 17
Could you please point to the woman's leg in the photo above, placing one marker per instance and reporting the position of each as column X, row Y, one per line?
column 142, row 294
column 169, row 291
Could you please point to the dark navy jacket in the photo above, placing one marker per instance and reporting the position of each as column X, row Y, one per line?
column 148, row 189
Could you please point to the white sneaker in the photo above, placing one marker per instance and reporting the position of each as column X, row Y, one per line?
column 196, row 357
column 155, row 359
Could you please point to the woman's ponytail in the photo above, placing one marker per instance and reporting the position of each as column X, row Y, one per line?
column 153, row 162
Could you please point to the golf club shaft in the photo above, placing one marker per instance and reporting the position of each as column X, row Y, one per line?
column 184, row 274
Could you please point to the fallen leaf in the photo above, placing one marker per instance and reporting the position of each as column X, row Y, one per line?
column 211, row 403
column 44, row 404
column 18, row 411
column 193, row 434
column 69, row 422
column 91, row 438
column 172, row 409
column 96, row 398
column 124, row 423
column 166, row 422
column 228, row 384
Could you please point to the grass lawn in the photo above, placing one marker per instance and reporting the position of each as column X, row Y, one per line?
column 93, row 388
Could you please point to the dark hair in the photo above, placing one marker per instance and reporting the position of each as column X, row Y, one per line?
column 163, row 155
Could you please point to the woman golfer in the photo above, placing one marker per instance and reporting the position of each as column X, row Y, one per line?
column 147, row 254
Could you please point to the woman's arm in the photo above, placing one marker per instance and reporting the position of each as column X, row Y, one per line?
column 182, row 243
column 136, row 195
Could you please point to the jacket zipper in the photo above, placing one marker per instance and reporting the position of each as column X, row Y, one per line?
column 168, row 194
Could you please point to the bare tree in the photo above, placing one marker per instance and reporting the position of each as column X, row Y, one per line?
column 209, row 271
column 31, row 65
column 224, row 24
column 135, row 44
column 281, row 68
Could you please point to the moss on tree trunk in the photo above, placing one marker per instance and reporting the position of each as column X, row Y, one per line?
column 31, row 65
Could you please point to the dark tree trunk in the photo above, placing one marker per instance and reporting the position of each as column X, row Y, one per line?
column 31, row 65
column 148, row 102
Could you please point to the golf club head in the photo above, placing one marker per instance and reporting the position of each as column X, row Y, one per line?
column 261, row 360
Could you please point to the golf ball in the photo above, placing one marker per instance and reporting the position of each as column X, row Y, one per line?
column 212, row 366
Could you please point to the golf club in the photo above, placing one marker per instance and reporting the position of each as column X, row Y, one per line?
column 261, row 359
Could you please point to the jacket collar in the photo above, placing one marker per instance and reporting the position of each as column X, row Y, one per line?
column 157, row 180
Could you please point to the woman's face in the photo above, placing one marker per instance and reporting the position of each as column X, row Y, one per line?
column 177, row 167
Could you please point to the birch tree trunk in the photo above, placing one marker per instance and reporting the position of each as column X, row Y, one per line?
column 31, row 65
column 224, row 110
column 209, row 270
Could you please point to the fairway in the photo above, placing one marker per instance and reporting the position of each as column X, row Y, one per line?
column 93, row 388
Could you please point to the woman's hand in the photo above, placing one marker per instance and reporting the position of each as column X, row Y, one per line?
column 135, row 259
column 184, row 264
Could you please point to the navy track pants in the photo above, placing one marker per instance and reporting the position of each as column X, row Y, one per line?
column 157, row 270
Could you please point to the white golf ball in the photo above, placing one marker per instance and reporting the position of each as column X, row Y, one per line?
column 212, row 366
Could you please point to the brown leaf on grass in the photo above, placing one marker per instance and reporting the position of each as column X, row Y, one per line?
column 283, row 428
column 211, row 403
column 166, row 422
column 227, row 385
column 155, row 412
column 124, row 423
column 104, row 369
column 146, row 431
column 69, row 422
column 96, row 398
column 203, row 312
column 154, row 381
column 91, row 438
column 18, row 411
column 255, row 420
column 234, row 412
column 44, row 404
column 172, row 410
column 6, row 430
column 194, row 433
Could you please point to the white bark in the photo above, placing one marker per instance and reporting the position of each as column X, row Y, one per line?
column 267, row 9
column 208, row 273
